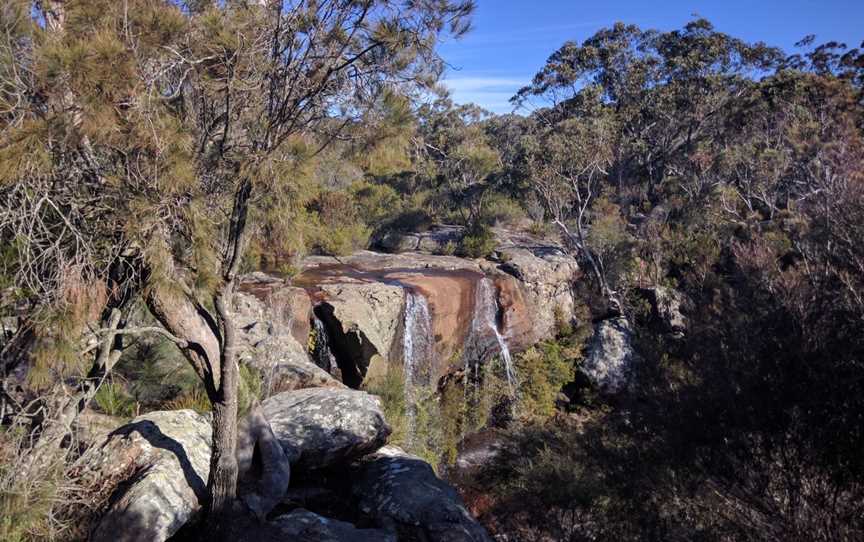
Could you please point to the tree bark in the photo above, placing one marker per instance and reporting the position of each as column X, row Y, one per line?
column 222, row 483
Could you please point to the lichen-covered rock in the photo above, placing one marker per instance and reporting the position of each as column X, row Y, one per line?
column 155, row 471
column 320, row 427
column 402, row 492
column 611, row 358
column 304, row 526
column 440, row 239
column 363, row 320
column 92, row 428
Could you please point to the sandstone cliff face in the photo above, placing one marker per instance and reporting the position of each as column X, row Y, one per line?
column 274, row 322
column 475, row 307
column 342, row 320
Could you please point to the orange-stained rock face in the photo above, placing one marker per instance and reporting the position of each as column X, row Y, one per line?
column 468, row 301
column 450, row 295
column 517, row 319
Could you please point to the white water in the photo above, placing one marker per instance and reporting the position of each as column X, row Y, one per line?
column 417, row 336
column 487, row 310
column 416, row 351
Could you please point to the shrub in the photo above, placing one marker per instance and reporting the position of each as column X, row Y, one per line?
column 194, row 399
column 376, row 203
column 543, row 371
column 390, row 387
column 336, row 224
column 251, row 388
column 478, row 242
column 503, row 210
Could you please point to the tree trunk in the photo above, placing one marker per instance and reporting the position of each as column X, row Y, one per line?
column 583, row 253
column 222, row 483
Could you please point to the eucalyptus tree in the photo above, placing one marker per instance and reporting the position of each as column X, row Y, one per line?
column 146, row 141
column 453, row 144
column 638, row 108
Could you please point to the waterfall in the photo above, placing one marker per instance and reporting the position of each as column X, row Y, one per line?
column 486, row 316
column 416, row 351
column 321, row 353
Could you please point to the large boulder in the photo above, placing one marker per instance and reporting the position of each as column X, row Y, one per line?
column 322, row 427
column 153, row 473
column 92, row 428
column 304, row 526
column 611, row 358
column 363, row 321
column 274, row 324
column 402, row 492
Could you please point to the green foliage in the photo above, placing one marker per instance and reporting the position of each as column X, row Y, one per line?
column 543, row 371
column 113, row 399
column 501, row 210
column 390, row 387
column 478, row 242
column 338, row 227
column 452, row 412
column 26, row 505
column 193, row 399
column 251, row 388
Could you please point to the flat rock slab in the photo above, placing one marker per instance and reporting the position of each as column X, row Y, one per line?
column 155, row 470
column 402, row 491
column 320, row 427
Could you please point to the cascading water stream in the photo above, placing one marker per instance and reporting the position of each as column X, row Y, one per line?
column 416, row 351
column 487, row 311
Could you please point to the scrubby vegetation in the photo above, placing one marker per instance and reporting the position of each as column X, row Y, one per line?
column 152, row 151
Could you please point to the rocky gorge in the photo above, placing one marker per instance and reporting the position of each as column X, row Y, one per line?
column 317, row 339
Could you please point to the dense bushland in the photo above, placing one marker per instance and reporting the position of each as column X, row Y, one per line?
column 141, row 169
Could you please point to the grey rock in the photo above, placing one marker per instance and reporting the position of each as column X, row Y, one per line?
column 304, row 526
column 611, row 359
column 155, row 470
column 666, row 309
column 264, row 469
column 402, row 491
column 320, row 427
column 92, row 428
column 440, row 239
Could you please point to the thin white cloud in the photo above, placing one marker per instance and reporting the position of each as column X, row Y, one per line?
column 489, row 92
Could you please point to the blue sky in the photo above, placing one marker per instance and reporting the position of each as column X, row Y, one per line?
column 512, row 38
